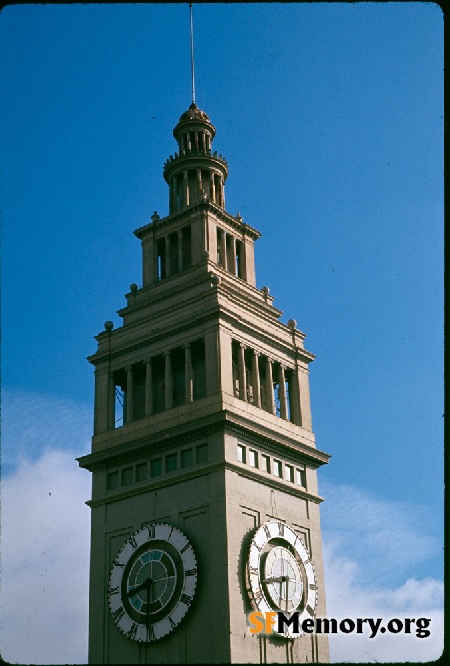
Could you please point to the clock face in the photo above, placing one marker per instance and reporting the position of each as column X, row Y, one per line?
column 152, row 582
column 280, row 573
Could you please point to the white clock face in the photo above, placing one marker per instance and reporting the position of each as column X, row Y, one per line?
column 152, row 582
column 280, row 573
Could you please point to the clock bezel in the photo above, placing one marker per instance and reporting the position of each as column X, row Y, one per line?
column 268, row 536
column 170, row 544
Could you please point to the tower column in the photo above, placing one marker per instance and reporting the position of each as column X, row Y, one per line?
column 111, row 402
column 282, row 393
column 129, row 415
column 269, row 387
column 180, row 249
column 185, row 188
column 222, row 249
column 296, row 416
column 148, row 388
column 241, row 371
column 212, row 188
column 231, row 256
column 199, row 182
column 256, row 380
column 168, row 381
column 189, row 384
column 173, row 198
column 167, row 252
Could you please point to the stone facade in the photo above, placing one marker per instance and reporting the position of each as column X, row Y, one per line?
column 202, row 420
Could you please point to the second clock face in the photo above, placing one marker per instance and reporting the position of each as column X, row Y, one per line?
column 152, row 582
column 280, row 573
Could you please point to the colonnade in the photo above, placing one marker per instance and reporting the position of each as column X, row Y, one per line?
column 249, row 384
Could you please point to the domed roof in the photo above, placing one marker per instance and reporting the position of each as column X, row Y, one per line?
column 194, row 113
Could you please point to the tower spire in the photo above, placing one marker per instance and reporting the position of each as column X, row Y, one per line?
column 192, row 53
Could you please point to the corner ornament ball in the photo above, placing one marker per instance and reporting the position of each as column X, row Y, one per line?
column 152, row 582
column 280, row 574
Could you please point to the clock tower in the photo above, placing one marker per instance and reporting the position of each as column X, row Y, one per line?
column 205, row 504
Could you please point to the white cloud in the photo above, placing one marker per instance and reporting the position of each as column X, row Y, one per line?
column 45, row 551
column 45, row 561
column 367, row 535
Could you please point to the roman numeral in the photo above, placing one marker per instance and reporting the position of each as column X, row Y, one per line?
column 172, row 623
column 258, row 595
column 186, row 600
column 185, row 547
column 113, row 590
column 306, row 561
column 131, row 633
column 150, row 633
column 312, row 586
column 191, row 572
column 253, row 571
column 116, row 563
column 310, row 610
column 118, row 614
column 133, row 542
column 258, row 548
column 266, row 530
column 151, row 531
column 281, row 529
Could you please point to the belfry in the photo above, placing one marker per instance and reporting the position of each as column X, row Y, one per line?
column 205, row 503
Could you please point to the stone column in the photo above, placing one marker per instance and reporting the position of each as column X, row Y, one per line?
column 188, row 379
column 173, row 201
column 167, row 256
column 199, row 182
column 295, row 398
column 185, row 188
column 223, row 249
column 269, row 387
column 111, row 402
column 129, row 371
column 242, row 374
column 148, row 388
column 232, row 258
column 213, row 188
column 282, row 393
column 256, row 382
column 180, row 250
column 168, row 395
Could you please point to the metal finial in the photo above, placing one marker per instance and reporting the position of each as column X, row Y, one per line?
column 192, row 54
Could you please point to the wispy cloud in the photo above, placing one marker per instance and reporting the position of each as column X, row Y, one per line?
column 371, row 549
column 45, row 561
column 45, row 550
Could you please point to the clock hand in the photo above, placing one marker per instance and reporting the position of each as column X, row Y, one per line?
column 146, row 584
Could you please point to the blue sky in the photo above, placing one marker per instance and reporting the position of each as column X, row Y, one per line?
column 330, row 116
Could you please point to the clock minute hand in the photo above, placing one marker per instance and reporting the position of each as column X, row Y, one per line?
column 146, row 584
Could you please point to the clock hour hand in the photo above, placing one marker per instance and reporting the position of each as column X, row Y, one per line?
column 145, row 585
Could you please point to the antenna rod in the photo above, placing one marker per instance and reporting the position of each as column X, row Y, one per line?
column 192, row 54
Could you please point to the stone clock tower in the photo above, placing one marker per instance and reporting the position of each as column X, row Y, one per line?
column 204, row 503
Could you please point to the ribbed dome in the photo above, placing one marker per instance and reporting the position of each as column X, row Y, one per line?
column 194, row 113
